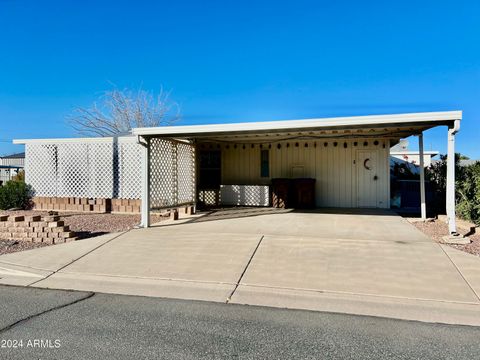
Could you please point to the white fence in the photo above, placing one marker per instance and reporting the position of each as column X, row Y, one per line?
column 172, row 173
column 93, row 168
column 111, row 168
column 7, row 174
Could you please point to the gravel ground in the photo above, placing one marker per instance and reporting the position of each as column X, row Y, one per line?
column 10, row 246
column 437, row 229
column 85, row 225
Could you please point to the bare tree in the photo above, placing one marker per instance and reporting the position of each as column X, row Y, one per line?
column 122, row 110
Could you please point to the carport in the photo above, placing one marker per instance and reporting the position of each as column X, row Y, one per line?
column 347, row 157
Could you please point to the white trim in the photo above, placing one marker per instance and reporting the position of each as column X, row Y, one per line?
column 405, row 119
column 127, row 138
column 414, row 152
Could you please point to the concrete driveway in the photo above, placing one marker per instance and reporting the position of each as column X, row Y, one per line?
column 363, row 262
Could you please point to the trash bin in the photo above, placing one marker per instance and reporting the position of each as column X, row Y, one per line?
column 280, row 193
column 303, row 193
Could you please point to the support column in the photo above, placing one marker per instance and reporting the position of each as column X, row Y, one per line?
column 452, row 229
column 423, row 205
column 145, row 183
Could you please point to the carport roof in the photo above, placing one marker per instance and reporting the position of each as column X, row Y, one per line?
column 394, row 126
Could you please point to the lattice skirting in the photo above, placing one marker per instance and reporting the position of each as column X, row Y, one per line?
column 97, row 205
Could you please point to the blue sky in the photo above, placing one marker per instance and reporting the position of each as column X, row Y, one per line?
column 232, row 61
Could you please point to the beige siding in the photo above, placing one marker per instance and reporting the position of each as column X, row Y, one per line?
column 333, row 167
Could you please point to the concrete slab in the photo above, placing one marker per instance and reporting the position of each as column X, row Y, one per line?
column 380, row 225
column 167, row 253
column 468, row 265
column 54, row 257
column 20, row 275
column 415, row 270
column 191, row 290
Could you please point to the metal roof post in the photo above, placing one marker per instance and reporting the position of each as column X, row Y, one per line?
column 452, row 130
column 145, row 205
column 423, row 205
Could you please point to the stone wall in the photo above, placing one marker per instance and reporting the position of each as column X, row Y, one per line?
column 35, row 228
column 96, row 205
column 127, row 206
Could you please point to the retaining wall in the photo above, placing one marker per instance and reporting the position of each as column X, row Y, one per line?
column 35, row 228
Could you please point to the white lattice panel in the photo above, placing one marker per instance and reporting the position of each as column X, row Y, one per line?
column 103, row 168
column 185, row 173
column 101, row 164
column 111, row 168
column 130, row 179
column 172, row 173
column 209, row 197
column 162, row 173
column 41, row 168
column 73, row 170
column 245, row 195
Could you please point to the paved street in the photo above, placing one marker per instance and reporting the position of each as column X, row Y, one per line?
column 102, row 326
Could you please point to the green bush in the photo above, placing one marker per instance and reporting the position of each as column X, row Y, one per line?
column 468, row 193
column 467, row 186
column 15, row 194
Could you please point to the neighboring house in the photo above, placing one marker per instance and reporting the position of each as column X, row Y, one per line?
column 333, row 162
column 10, row 165
column 401, row 152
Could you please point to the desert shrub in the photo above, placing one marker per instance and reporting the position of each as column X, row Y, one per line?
column 468, row 193
column 467, row 186
column 15, row 194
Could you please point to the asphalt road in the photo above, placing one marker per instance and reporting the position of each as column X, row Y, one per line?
column 79, row 325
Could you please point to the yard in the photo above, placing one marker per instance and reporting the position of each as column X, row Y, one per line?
column 85, row 225
column 437, row 229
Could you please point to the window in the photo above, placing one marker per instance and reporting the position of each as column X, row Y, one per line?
column 264, row 163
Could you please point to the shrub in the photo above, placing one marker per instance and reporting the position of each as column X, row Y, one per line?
column 468, row 194
column 15, row 194
column 467, row 186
